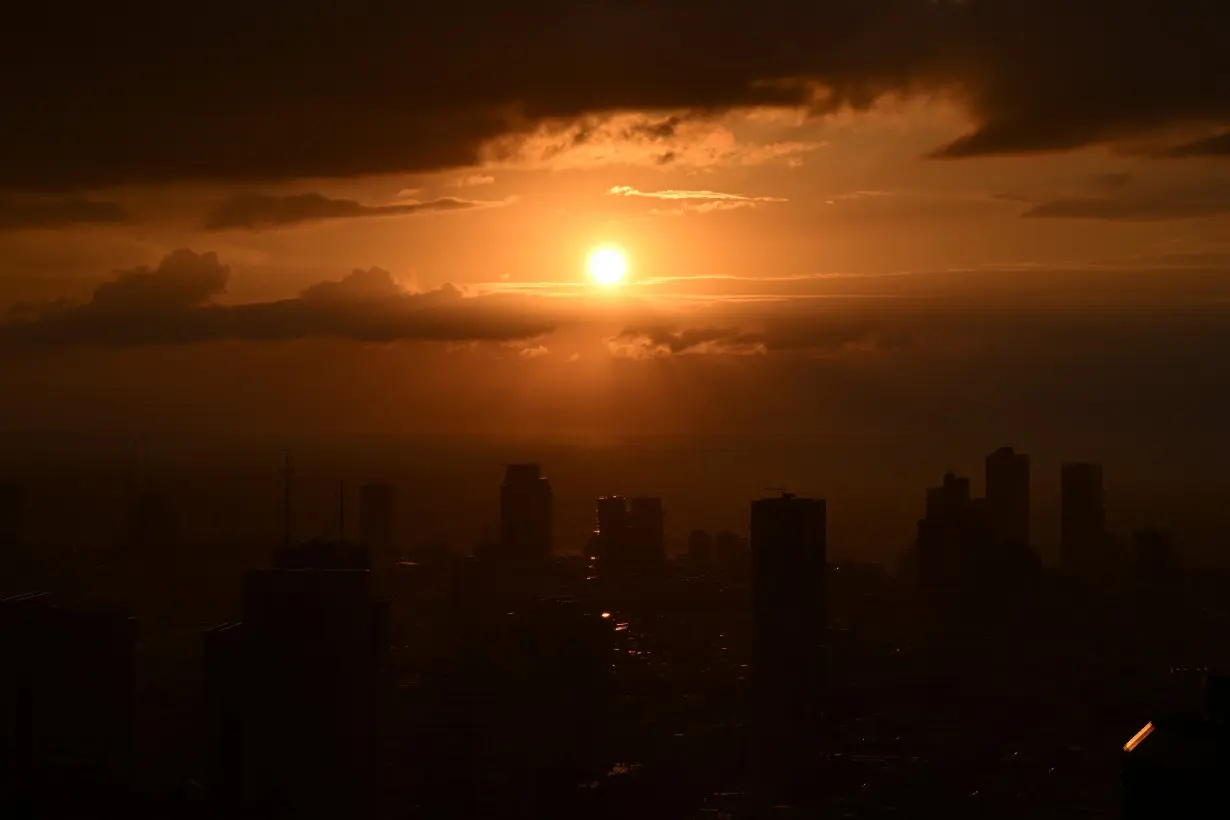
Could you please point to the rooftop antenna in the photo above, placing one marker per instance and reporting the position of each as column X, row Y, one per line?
column 781, row 491
column 286, row 472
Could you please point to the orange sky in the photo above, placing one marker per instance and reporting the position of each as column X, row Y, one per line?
column 797, row 263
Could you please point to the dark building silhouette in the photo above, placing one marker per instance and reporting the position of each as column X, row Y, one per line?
column 12, row 504
column 540, row 685
column 13, row 556
column 629, row 537
column 700, row 547
column 295, row 695
column 377, row 523
column 1007, row 481
column 610, row 543
column 526, row 504
column 321, row 553
column 1177, row 764
column 731, row 552
column 1082, row 517
column 150, row 529
column 1153, row 555
column 789, row 615
column 67, row 707
column 647, row 529
column 945, row 535
column 967, row 565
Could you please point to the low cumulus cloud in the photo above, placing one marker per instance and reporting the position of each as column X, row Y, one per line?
column 174, row 303
column 471, row 180
column 43, row 212
column 257, row 211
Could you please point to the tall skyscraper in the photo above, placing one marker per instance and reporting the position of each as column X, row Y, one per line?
column 611, row 532
column 941, row 533
column 1082, row 516
column 377, row 527
column 295, row 692
column 526, row 503
column 1008, row 496
column 647, row 529
column 789, row 544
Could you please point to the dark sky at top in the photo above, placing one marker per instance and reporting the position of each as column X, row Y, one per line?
column 154, row 91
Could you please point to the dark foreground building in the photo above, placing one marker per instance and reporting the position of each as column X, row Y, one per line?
column 67, row 708
column 294, row 695
column 788, row 641
column 1178, row 765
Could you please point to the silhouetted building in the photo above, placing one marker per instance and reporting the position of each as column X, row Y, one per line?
column 1153, row 554
column 526, row 503
column 377, row 523
column 647, row 530
column 321, row 553
column 542, row 691
column 610, row 543
column 150, row 530
column 1177, row 764
column 67, row 707
column 12, row 504
column 967, row 566
column 731, row 552
column 944, row 534
column 700, row 547
column 1007, row 480
column 295, row 695
column 789, row 615
column 13, row 556
column 1082, row 517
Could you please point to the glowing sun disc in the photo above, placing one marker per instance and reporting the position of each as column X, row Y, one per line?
column 607, row 266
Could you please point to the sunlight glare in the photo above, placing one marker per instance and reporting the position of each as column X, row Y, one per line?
column 607, row 266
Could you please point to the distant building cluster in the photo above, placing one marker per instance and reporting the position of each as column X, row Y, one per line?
column 521, row 678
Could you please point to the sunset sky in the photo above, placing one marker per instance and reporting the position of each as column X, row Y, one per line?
column 863, row 215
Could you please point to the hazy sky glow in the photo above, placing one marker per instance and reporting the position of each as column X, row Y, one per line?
column 835, row 215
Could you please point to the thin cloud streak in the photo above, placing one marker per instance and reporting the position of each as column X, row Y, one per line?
column 261, row 211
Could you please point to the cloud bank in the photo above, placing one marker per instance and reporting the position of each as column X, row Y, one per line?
column 175, row 303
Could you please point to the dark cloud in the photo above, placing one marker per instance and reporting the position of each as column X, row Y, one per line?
column 818, row 331
column 1122, row 197
column 19, row 214
column 172, row 304
column 1125, row 209
column 235, row 90
column 254, row 211
column 182, row 280
column 1215, row 146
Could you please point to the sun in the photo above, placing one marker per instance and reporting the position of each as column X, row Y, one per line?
column 607, row 267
